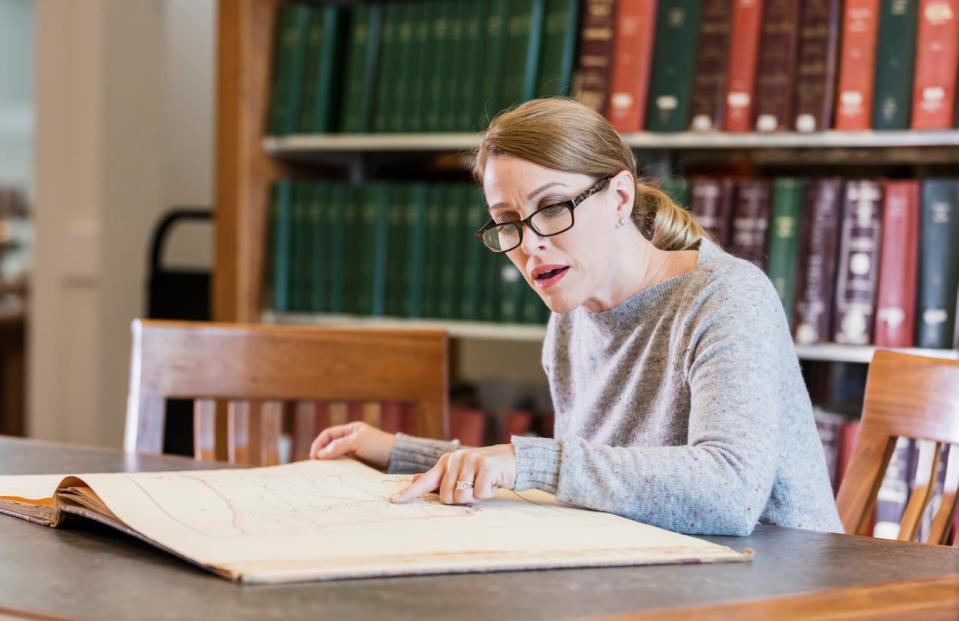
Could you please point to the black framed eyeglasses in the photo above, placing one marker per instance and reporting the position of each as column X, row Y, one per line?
column 545, row 222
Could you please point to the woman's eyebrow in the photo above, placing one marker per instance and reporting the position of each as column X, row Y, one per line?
column 529, row 196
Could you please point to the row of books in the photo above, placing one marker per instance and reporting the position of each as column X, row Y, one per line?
column 397, row 249
column 855, row 261
column 421, row 66
column 772, row 65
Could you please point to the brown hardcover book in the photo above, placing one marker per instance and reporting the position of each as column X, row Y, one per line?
column 743, row 57
column 712, row 61
column 898, row 265
column 776, row 75
column 750, row 221
column 594, row 72
column 818, row 58
column 818, row 242
column 858, row 273
column 632, row 63
column 857, row 64
column 937, row 64
column 712, row 204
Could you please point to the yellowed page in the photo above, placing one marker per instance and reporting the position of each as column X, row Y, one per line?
column 322, row 520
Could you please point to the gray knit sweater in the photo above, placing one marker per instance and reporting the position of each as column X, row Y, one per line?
column 682, row 407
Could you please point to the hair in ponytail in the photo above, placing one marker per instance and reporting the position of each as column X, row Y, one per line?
column 563, row 134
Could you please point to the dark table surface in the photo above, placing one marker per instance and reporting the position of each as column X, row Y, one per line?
column 89, row 571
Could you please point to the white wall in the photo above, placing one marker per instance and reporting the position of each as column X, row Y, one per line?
column 124, row 128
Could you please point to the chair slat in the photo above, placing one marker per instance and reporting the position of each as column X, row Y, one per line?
column 867, row 466
column 372, row 414
column 204, row 429
column 925, row 481
column 265, row 427
column 338, row 412
column 238, row 435
column 304, row 428
column 939, row 532
column 150, row 422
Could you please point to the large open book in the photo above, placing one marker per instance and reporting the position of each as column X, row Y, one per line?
column 318, row 520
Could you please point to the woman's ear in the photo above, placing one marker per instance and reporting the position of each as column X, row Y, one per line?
column 623, row 185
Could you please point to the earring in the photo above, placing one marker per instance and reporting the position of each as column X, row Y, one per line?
column 621, row 221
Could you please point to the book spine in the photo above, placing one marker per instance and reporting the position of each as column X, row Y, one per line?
column 422, row 68
column 937, row 65
column 415, row 249
column 494, row 52
column 743, row 57
column 524, row 36
column 309, row 87
column 319, row 250
column 396, row 262
column 938, row 263
column 898, row 265
column 711, row 204
column 336, row 221
column 594, row 72
column 778, row 56
column 674, row 58
column 858, row 273
column 712, row 60
column 292, row 32
column 784, row 240
column 300, row 247
column 473, row 259
column 560, row 31
column 355, row 67
column 388, row 66
column 328, row 73
column 282, row 226
column 819, row 240
column 472, row 61
column 446, row 70
column 632, row 63
column 857, row 65
column 406, row 69
column 816, row 71
column 750, row 222
column 895, row 61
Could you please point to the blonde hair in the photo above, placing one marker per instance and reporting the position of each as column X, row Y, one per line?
column 563, row 134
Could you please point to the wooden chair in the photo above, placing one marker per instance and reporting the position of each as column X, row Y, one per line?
column 914, row 397
column 246, row 381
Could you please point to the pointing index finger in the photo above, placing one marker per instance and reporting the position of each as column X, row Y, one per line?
column 427, row 482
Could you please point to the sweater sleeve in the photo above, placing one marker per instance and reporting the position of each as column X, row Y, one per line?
column 719, row 482
column 411, row 454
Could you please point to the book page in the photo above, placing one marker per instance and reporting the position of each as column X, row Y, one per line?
column 333, row 519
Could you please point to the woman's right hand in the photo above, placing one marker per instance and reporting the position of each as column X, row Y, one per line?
column 356, row 439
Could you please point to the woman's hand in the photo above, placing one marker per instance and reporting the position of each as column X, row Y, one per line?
column 465, row 476
column 358, row 439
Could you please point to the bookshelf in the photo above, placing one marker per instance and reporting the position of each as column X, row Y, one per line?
column 249, row 160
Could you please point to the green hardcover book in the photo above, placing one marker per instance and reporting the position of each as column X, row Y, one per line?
column 560, row 33
column 466, row 99
column 282, row 225
column 416, row 207
column 322, row 72
column 895, row 60
column 677, row 189
column 353, row 252
column 452, row 258
column 432, row 262
column 396, row 255
column 493, row 291
column 473, row 259
column 439, row 63
column 784, row 240
column 524, row 28
column 674, row 59
column 289, row 53
column 319, row 248
column 363, row 57
column 512, row 292
column 421, row 66
column 938, row 263
column 495, row 48
column 388, row 67
column 406, row 69
column 450, row 66
column 336, row 209
column 300, row 247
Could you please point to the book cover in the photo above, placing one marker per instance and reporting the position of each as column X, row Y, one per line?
column 857, row 65
column 818, row 248
column 751, row 221
column 816, row 70
column 524, row 28
column 362, row 66
column 632, row 63
column 674, row 58
column 495, row 50
column 784, row 240
column 289, row 55
column 743, row 58
column 776, row 73
column 895, row 61
column 898, row 265
column 593, row 76
column 560, row 33
column 938, row 263
column 322, row 73
column 712, row 204
column 282, row 226
column 937, row 65
column 708, row 104
column 858, row 270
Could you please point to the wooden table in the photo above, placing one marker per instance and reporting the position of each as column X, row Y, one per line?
column 92, row 572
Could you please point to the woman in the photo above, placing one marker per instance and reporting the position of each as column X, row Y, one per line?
column 677, row 392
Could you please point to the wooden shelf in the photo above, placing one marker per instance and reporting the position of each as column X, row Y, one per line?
column 535, row 333
column 302, row 144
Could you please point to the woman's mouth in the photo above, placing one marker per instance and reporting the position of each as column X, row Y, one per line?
column 549, row 275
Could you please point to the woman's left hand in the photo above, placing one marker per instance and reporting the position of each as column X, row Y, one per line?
column 478, row 471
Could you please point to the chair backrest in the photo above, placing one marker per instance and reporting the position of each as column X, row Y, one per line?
column 249, row 382
column 911, row 397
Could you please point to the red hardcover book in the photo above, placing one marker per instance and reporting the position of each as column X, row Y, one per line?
column 632, row 63
column 937, row 64
column 743, row 55
column 898, row 265
column 468, row 425
column 847, row 442
column 594, row 71
column 857, row 65
column 518, row 423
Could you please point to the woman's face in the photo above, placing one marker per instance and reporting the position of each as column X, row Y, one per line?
column 573, row 267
